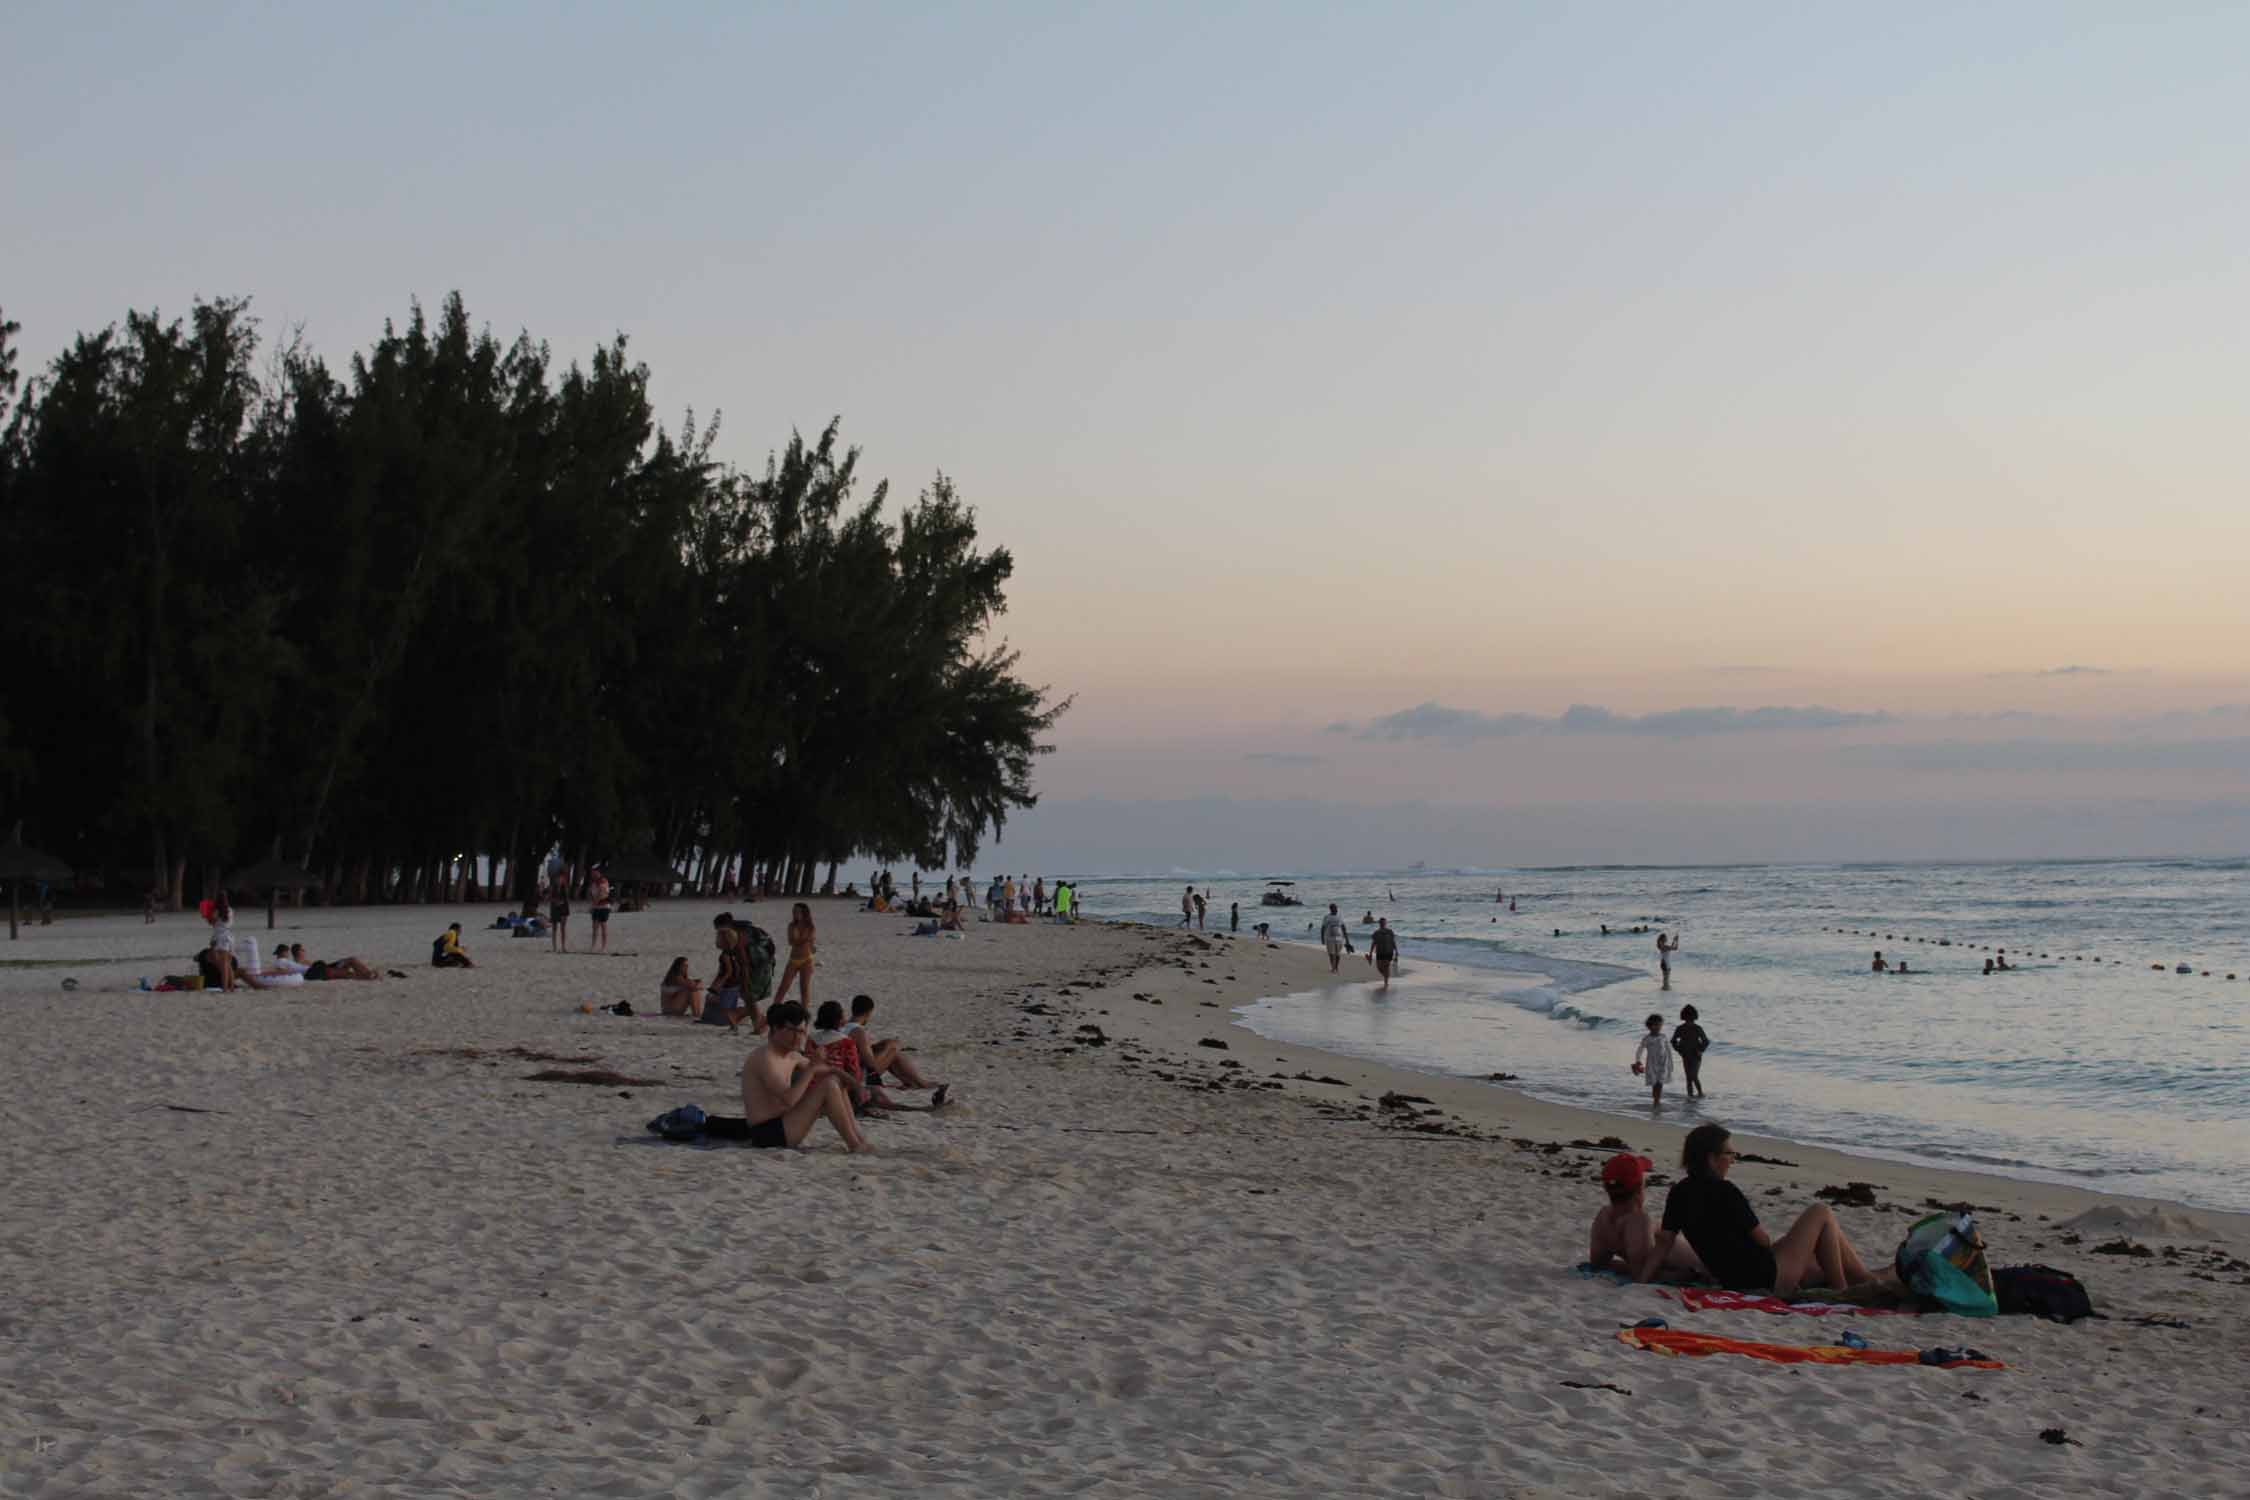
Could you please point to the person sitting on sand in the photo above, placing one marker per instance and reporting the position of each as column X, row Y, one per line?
column 1622, row 1232
column 679, row 994
column 784, row 1091
column 886, row 1056
column 841, row 1047
column 447, row 952
column 1724, row 1232
column 219, row 972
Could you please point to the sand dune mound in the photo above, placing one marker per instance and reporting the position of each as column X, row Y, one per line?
column 2150, row 1223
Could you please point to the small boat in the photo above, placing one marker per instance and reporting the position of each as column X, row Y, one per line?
column 1278, row 894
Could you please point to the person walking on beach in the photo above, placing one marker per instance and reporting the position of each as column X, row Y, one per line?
column 1202, row 904
column 1187, row 905
column 1689, row 1041
column 724, row 1005
column 1665, row 948
column 1382, row 950
column 1335, row 936
column 1234, row 916
column 1653, row 1061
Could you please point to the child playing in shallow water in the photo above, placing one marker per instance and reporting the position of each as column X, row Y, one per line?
column 1653, row 1061
column 1689, row 1040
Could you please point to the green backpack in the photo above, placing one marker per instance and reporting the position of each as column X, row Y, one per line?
column 1942, row 1260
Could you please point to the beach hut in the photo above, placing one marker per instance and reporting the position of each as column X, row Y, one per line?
column 18, row 864
column 643, row 871
column 273, row 876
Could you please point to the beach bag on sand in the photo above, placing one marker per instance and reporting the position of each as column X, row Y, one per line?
column 682, row 1124
column 2041, row 1292
column 1942, row 1260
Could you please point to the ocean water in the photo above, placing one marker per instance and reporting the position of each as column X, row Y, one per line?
column 2093, row 1063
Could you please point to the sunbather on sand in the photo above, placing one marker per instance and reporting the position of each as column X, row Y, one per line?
column 324, row 968
column 877, row 1058
column 1724, row 1230
column 784, row 1092
column 680, row 994
column 1622, row 1232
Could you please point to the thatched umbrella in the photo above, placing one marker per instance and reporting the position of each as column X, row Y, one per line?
column 18, row 864
column 273, row 876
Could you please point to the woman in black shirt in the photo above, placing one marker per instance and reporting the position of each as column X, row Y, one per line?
column 1724, row 1230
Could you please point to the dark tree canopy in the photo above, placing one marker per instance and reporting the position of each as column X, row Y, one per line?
column 455, row 607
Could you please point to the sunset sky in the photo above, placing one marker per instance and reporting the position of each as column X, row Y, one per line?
column 1398, row 415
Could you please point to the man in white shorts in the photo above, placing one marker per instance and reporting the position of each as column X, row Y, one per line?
column 1335, row 936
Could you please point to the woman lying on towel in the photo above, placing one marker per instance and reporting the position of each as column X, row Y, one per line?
column 1724, row 1231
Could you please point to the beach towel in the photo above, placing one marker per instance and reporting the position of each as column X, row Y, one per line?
column 1714, row 1299
column 1610, row 1274
column 1673, row 1341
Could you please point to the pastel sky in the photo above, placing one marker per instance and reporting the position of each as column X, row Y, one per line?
column 1398, row 414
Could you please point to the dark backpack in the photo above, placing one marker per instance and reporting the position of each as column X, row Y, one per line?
column 2043, row 1292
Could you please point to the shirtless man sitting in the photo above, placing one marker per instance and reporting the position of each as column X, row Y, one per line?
column 784, row 1091
column 1622, row 1231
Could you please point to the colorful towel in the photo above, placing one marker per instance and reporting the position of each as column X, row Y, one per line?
column 1712, row 1299
column 1673, row 1341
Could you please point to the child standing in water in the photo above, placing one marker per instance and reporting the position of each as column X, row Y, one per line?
column 1689, row 1041
column 1653, row 1061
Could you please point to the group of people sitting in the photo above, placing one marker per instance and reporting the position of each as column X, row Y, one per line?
column 227, row 962
column 1709, row 1229
column 809, row 1068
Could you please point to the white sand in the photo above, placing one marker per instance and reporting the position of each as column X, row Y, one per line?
column 374, row 1268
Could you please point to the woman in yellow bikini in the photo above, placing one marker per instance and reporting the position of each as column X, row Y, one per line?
column 800, row 955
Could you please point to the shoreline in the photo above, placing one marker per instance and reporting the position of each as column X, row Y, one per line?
column 1499, row 1106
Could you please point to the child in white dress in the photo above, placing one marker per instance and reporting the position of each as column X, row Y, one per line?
column 1652, row 1059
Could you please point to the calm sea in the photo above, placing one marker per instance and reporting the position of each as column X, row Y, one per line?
column 2093, row 1063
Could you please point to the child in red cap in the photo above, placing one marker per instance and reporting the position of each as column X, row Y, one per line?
column 1622, row 1232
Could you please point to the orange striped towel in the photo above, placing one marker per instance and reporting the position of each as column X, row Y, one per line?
column 1673, row 1341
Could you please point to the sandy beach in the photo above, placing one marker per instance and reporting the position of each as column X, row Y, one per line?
column 332, row 1241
